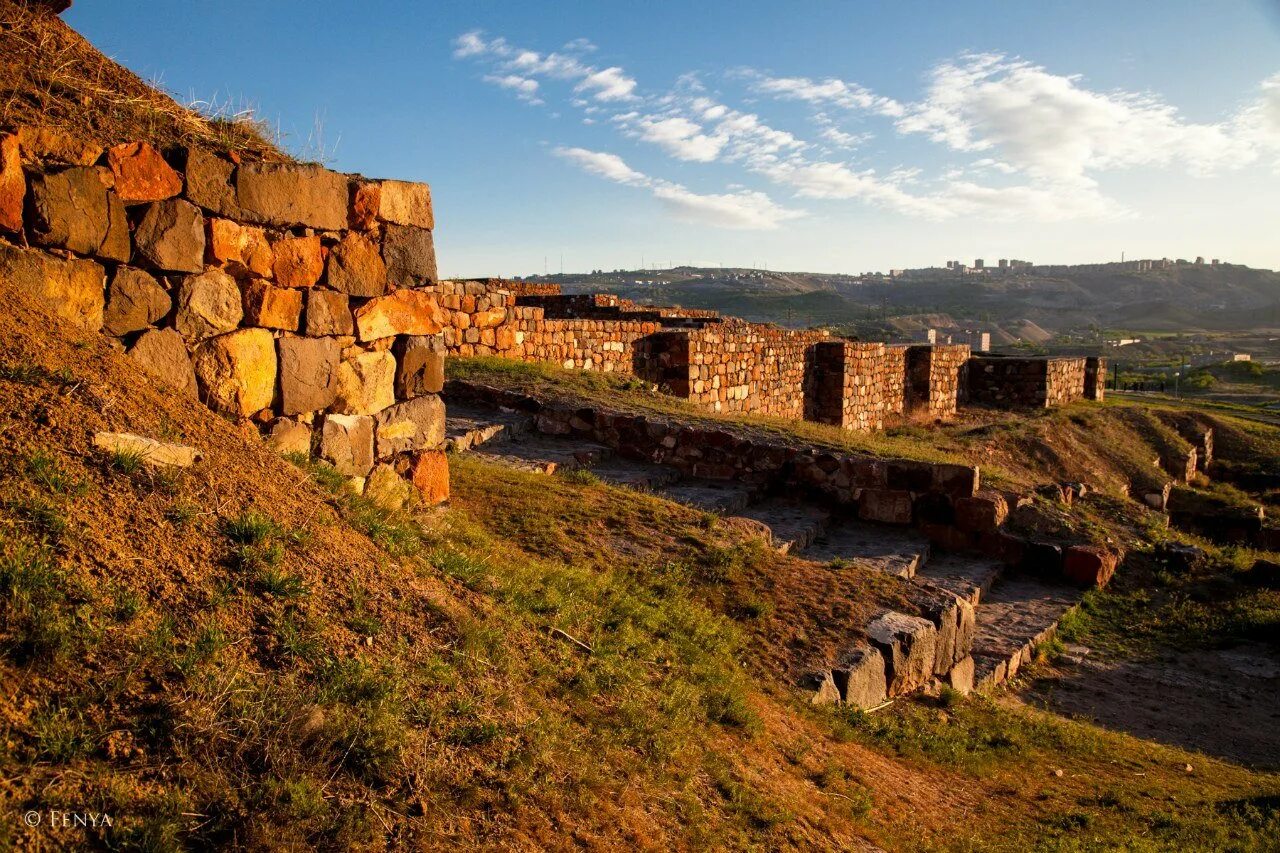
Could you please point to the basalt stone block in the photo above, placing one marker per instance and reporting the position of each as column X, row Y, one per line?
column 292, row 195
column 365, row 384
column 171, row 236
column 823, row 685
column 907, row 644
column 409, row 254
column 141, row 174
column 405, row 312
column 208, row 182
column 162, row 355
column 13, row 184
column 386, row 488
column 429, row 471
column 54, row 144
column 406, row 203
column 366, row 198
column 355, row 267
column 135, row 301
column 297, row 261
column 982, row 513
column 958, row 481
column 237, row 371
column 287, row 435
column 307, row 373
column 1089, row 565
column 244, row 249
column 416, row 424
column 208, row 304
column 910, row 476
column 346, row 442
column 419, row 365
column 889, row 506
column 71, row 210
column 72, row 289
column 860, row 679
column 328, row 313
column 272, row 307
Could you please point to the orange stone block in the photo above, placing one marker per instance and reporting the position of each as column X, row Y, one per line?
column 405, row 312
column 272, row 307
column 365, row 202
column 141, row 173
column 430, row 475
column 243, row 245
column 299, row 261
column 13, row 186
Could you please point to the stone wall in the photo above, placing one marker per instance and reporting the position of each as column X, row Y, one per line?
column 895, row 381
column 1095, row 377
column 1025, row 382
column 283, row 294
column 846, row 385
column 934, row 376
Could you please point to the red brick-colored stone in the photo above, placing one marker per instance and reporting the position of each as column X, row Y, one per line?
column 141, row 174
column 405, row 312
column 236, row 245
column 272, row 307
column 298, row 261
column 13, row 185
column 982, row 513
column 1089, row 565
column 430, row 474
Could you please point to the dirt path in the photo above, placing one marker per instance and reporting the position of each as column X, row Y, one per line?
column 1224, row 702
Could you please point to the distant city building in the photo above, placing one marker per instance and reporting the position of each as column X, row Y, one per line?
column 1199, row 260
column 931, row 336
column 979, row 263
column 899, row 273
column 1241, row 356
column 1004, row 263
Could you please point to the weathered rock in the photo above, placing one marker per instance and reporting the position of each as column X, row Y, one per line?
column 135, row 301
column 417, row 424
column 907, row 643
column 860, row 677
column 365, row 201
column 307, row 374
column 328, row 313
column 150, row 451
column 272, row 307
column 70, row 209
column 289, row 436
column 13, row 184
column 419, row 365
column 355, row 267
column 429, row 471
column 71, row 289
column 141, row 174
column 57, row 145
column 824, row 688
column 889, row 506
column 208, row 182
column 346, row 442
column 387, row 488
column 406, row 203
column 208, row 304
column 982, row 513
column 161, row 354
column 299, row 261
column 960, row 678
column 237, row 371
column 405, row 312
column 243, row 248
column 116, row 245
column 171, row 236
column 365, row 384
column 410, row 255
column 291, row 195
column 1089, row 565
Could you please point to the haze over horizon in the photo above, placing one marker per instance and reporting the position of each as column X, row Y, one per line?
column 845, row 139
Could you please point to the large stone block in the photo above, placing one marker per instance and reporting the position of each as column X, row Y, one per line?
column 419, row 365
column 405, row 312
column 410, row 255
column 365, row 384
column 171, row 236
column 907, row 644
column 141, row 174
column 244, row 249
column 54, row 144
column 328, row 313
column 208, row 304
column 982, row 513
column 72, row 289
column 355, row 267
column 292, row 195
column 135, row 301
column 406, row 203
column 307, row 374
column 13, row 184
column 346, row 442
column 416, row 424
column 386, row 488
column 298, row 262
column 272, row 307
column 287, row 435
column 237, row 371
column 73, row 209
column 208, row 182
column 162, row 355
column 859, row 676
column 1089, row 565
column 888, row 506
column 429, row 471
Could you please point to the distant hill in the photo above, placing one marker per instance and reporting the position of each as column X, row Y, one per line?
column 1023, row 304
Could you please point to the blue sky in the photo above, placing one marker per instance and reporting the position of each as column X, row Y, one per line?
column 836, row 137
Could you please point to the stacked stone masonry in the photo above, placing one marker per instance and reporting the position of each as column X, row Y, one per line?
column 1027, row 382
column 934, row 376
column 284, row 294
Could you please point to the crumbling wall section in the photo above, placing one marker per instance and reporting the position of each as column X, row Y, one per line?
column 845, row 385
column 1025, row 382
column 934, row 375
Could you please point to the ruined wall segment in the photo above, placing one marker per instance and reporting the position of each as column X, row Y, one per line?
column 289, row 296
column 934, row 378
column 1026, row 382
column 846, row 385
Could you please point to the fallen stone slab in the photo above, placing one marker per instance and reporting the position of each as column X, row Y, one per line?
column 907, row 644
column 149, row 450
column 860, row 677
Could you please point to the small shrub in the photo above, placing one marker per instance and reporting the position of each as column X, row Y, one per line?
column 127, row 462
column 281, row 584
column 60, row 735
column 42, row 516
column 34, row 611
column 46, row 471
column 579, row 476
column 125, row 604
column 181, row 514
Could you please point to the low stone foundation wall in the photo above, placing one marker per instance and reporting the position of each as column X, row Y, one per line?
column 286, row 295
column 934, row 376
column 1025, row 382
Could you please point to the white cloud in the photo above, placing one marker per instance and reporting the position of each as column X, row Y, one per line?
column 826, row 180
column 844, row 140
column 607, row 84
column 850, row 96
column 602, row 164
column 680, row 137
column 526, row 89
column 611, row 84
